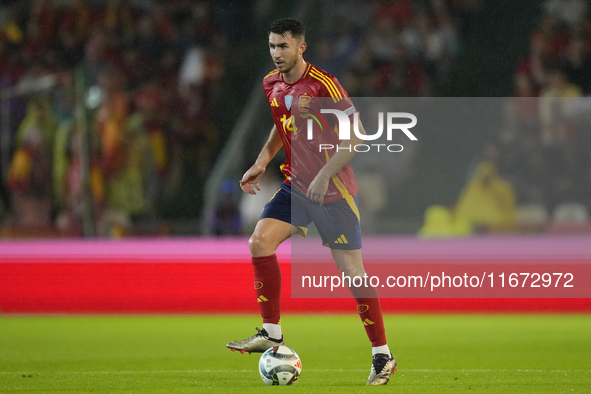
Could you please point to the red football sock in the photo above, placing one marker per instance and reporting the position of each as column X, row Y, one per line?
column 267, row 284
column 370, row 312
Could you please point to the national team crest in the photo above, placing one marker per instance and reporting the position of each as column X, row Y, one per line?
column 288, row 101
column 304, row 103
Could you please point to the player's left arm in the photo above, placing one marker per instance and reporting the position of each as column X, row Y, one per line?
column 344, row 154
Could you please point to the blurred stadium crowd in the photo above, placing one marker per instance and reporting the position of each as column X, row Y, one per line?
column 535, row 173
column 154, row 72
column 155, row 80
column 157, row 72
column 392, row 48
column 544, row 150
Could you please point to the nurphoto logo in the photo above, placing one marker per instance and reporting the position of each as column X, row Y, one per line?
column 345, row 130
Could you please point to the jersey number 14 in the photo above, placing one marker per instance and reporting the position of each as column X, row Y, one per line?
column 289, row 124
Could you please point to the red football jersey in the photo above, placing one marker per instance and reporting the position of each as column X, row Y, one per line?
column 291, row 107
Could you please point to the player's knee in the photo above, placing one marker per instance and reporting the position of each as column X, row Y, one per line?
column 353, row 272
column 260, row 245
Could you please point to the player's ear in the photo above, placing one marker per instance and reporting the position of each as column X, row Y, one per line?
column 303, row 47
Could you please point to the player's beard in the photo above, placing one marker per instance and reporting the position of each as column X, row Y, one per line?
column 289, row 65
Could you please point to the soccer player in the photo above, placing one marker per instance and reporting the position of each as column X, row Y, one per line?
column 323, row 190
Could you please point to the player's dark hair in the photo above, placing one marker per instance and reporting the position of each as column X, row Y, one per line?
column 287, row 25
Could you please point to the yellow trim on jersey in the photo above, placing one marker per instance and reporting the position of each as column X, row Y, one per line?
column 324, row 83
column 307, row 70
column 344, row 192
column 335, row 99
column 330, row 85
column 334, row 89
column 327, row 85
column 271, row 73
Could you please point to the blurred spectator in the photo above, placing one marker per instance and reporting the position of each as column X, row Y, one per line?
column 440, row 222
column 226, row 219
column 433, row 46
column 532, row 177
column 533, row 65
column 356, row 13
column 147, row 40
column 569, row 12
column 343, row 42
column 39, row 117
column 577, row 64
column 125, row 150
column 69, row 181
column 78, row 17
column 523, row 86
column 382, row 41
column 323, row 55
column 487, row 200
column 95, row 56
column 69, row 48
column 555, row 97
column 119, row 18
column 29, row 175
column 400, row 12
column 192, row 71
column 566, row 172
column 45, row 16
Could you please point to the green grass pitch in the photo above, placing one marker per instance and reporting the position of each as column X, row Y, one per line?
column 186, row 354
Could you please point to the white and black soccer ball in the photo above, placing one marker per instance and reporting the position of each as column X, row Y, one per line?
column 280, row 366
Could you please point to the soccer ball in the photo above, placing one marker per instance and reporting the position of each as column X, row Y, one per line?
column 280, row 366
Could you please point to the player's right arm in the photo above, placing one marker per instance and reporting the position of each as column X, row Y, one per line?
column 251, row 178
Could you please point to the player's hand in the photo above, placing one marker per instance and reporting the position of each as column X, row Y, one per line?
column 251, row 178
column 318, row 189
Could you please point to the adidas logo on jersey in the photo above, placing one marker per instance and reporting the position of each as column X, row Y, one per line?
column 274, row 102
column 367, row 322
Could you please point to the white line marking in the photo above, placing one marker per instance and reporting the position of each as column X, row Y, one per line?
column 25, row 372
